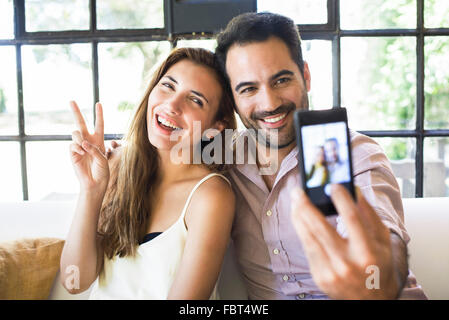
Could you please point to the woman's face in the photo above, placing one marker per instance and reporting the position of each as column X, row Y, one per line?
column 187, row 93
column 319, row 157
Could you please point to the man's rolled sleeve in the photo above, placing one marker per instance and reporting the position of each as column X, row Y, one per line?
column 375, row 178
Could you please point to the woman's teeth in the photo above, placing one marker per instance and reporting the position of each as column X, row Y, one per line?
column 273, row 120
column 167, row 123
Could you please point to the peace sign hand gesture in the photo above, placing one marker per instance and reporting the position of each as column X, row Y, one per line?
column 88, row 152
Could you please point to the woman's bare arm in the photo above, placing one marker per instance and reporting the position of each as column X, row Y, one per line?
column 81, row 253
column 82, row 257
column 209, row 217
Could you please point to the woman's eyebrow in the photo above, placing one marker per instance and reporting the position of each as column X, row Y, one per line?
column 171, row 78
column 199, row 94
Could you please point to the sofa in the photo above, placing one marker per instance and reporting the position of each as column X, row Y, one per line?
column 426, row 219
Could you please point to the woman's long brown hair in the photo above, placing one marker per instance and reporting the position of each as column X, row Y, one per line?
column 128, row 201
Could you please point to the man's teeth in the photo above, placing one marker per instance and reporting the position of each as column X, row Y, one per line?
column 273, row 120
column 167, row 123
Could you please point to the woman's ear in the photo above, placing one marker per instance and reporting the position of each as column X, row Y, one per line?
column 219, row 125
column 212, row 131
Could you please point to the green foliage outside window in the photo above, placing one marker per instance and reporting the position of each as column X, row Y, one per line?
column 2, row 101
column 392, row 57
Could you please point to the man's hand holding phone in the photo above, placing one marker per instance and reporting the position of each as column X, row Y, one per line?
column 341, row 266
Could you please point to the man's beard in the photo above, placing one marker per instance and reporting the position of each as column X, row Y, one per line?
column 272, row 138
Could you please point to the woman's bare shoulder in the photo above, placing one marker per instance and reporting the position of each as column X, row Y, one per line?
column 212, row 205
column 215, row 192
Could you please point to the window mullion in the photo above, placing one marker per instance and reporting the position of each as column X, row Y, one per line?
column 93, row 15
column 19, row 19
column 336, row 57
column 95, row 76
column 21, row 121
column 419, row 162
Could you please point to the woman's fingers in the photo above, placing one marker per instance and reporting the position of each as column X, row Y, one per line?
column 114, row 144
column 81, row 124
column 94, row 151
column 76, row 137
column 76, row 148
column 99, row 122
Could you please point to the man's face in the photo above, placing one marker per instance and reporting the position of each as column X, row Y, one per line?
column 268, row 87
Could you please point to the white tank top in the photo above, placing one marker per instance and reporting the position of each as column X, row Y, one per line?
column 150, row 274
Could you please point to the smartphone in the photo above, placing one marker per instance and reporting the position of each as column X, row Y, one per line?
column 324, row 147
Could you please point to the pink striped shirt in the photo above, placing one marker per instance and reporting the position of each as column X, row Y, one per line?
column 268, row 250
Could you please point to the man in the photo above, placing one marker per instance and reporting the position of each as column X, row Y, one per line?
column 285, row 247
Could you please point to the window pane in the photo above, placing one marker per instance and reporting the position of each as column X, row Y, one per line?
column 379, row 82
column 377, row 14
column 124, row 73
column 8, row 92
column 130, row 14
column 436, row 13
column 11, row 177
column 209, row 44
column 6, row 19
column 436, row 86
column 50, row 171
column 52, row 76
column 436, row 167
column 56, row 15
column 318, row 54
column 401, row 153
column 301, row 11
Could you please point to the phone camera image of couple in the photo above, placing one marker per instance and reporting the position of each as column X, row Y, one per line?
column 326, row 155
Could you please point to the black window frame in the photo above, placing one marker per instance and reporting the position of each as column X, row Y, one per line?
column 330, row 31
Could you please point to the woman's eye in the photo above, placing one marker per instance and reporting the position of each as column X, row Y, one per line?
column 198, row 101
column 167, row 85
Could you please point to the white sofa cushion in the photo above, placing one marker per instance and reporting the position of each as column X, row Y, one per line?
column 427, row 222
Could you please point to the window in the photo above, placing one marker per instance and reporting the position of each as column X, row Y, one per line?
column 385, row 61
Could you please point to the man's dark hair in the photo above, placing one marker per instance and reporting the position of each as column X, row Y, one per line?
column 333, row 139
column 257, row 27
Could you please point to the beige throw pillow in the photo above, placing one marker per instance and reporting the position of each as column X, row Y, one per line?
column 28, row 267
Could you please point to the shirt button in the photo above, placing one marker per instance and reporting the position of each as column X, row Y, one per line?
column 285, row 278
column 276, row 251
column 301, row 296
column 269, row 213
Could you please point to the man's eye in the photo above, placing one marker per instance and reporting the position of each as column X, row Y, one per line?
column 282, row 80
column 247, row 90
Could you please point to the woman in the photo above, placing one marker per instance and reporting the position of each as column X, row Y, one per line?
column 318, row 174
column 145, row 227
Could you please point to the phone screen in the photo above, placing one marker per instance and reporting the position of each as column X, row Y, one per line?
column 326, row 160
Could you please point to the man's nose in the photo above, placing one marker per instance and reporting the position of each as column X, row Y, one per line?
column 270, row 100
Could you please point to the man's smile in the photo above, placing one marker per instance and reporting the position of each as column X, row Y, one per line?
column 276, row 121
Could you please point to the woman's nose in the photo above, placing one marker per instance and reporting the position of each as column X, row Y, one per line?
column 175, row 103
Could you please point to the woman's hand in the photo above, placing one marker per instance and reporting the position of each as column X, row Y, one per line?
column 88, row 152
